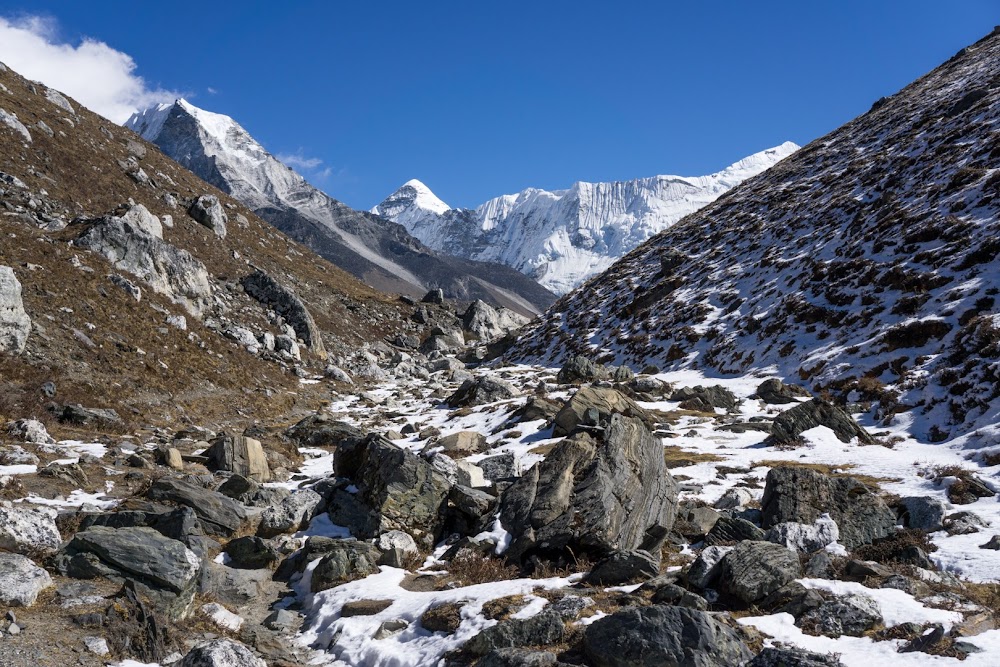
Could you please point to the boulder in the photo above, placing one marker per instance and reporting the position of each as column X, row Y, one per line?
column 15, row 325
column 208, row 212
column 20, row 580
column 794, row 657
column 284, row 302
column 140, row 218
column 250, row 553
column 707, row 567
column 397, row 547
column 218, row 514
column 345, row 560
column 75, row 413
column 518, row 657
column 593, row 496
column 320, row 431
column 461, row 444
column 290, row 514
column 238, row 454
column 30, row 430
column 728, row 530
column 663, row 636
column 231, row 586
column 922, row 513
column 488, row 323
column 221, row 653
column 593, row 406
column 801, row 495
column 624, row 567
column 396, row 490
column 705, row 399
column 538, row 407
column 501, row 466
column 167, row 269
column 843, row 615
column 434, row 296
column 28, row 531
column 581, row 369
column 754, row 570
column 675, row 596
column 541, row 629
column 480, row 391
column 790, row 424
column 805, row 538
column 776, row 392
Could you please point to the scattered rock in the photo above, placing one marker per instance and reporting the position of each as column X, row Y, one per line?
column 623, row 567
column 963, row 523
column 707, row 567
column 593, row 406
column 776, row 392
column 805, row 538
column 481, row 391
column 728, row 530
column 28, row 531
column 290, row 514
column 847, row 615
column 488, row 323
column 443, row 617
column 581, row 369
column 397, row 548
column 15, row 325
column 345, row 560
column 140, row 218
column 793, row 657
column 922, row 513
column 364, row 607
column 218, row 514
column 541, row 629
column 705, row 399
column 283, row 301
column 250, row 553
column 30, row 430
column 222, row 653
column 207, row 211
column 21, row 580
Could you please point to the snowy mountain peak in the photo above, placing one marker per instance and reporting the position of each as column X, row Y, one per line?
column 563, row 237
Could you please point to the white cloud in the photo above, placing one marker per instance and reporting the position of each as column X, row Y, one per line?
column 299, row 161
column 96, row 75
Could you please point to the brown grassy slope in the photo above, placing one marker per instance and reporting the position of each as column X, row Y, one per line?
column 137, row 364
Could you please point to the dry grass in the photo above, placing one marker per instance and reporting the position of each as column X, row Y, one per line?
column 676, row 457
column 827, row 469
column 471, row 567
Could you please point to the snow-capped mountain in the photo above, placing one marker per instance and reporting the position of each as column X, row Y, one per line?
column 867, row 258
column 381, row 253
column 563, row 237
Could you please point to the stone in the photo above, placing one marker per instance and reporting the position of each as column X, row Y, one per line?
column 480, row 391
column 461, row 444
column 581, row 369
column 499, row 467
column 396, row 490
column 238, row 454
column 320, row 431
column 593, row 406
column 801, row 495
column 30, row 430
column 964, row 523
column 674, row 595
column 705, row 399
column 488, row 323
column 735, row 498
column 517, row 657
column 230, row 586
column 732, row 529
column 168, row 270
column 364, row 607
column 390, row 628
column 624, row 567
column 593, row 496
column 208, row 212
column 10, row 120
column 776, row 392
column 28, row 531
column 845, row 615
column 15, row 325
column 661, row 636
column 793, row 657
column 805, row 538
column 218, row 514
column 922, row 513
column 993, row 543
column 97, row 645
column 707, row 567
column 820, row 566
column 250, row 553
column 222, row 617
column 541, row 629
column 59, row 100
column 285, row 303
column 15, row 455
column 754, row 570
column 397, row 548
column 290, row 514
column 345, row 560
column 283, row 620
column 790, row 424
column 75, row 413
column 470, row 474
column 221, row 653
column 140, row 218
column 538, row 408
column 21, row 580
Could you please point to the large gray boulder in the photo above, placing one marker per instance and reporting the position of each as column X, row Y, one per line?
column 852, row 615
column 790, row 424
column 581, row 369
column 284, row 302
column 776, row 392
column 221, row 653
column 489, row 323
column 593, row 406
column 218, row 514
column 238, row 454
column 922, row 513
column 15, row 325
column 345, row 560
column 20, row 580
column 290, row 514
column 167, row 269
column 754, row 570
column 705, row 399
column 593, row 496
column 480, row 391
column 28, row 530
column 395, row 490
column 139, row 217
column 541, row 629
column 663, row 636
column 207, row 211
column 801, row 495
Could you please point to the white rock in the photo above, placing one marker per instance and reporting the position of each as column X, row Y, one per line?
column 222, row 653
column 140, row 218
column 97, row 646
column 805, row 538
column 736, row 498
column 469, row 474
column 11, row 121
column 15, row 325
column 178, row 322
column 30, row 430
column 396, row 539
column 21, row 580
column 222, row 617
column 28, row 530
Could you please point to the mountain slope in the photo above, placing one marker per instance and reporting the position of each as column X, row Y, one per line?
column 380, row 252
column 562, row 238
column 872, row 252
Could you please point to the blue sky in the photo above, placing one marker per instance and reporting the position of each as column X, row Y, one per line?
column 478, row 99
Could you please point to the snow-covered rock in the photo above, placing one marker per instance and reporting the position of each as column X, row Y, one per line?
column 28, row 530
column 563, row 237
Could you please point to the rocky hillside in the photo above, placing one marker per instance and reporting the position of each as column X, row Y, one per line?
column 380, row 252
column 865, row 264
column 128, row 283
column 562, row 238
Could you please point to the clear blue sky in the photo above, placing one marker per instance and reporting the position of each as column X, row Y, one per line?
column 478, row 99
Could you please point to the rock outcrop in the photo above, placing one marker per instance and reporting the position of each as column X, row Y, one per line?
column 15, row 325
column 284, row 302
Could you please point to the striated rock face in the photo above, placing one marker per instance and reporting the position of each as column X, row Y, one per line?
column 664, row 636
column 218, row 514
column 802, row 496
column 791, row 423
column 283, row 301
column 15, row 325
column 593, row 497
column 593, row 406
column 167, row 269
column 754, row 570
